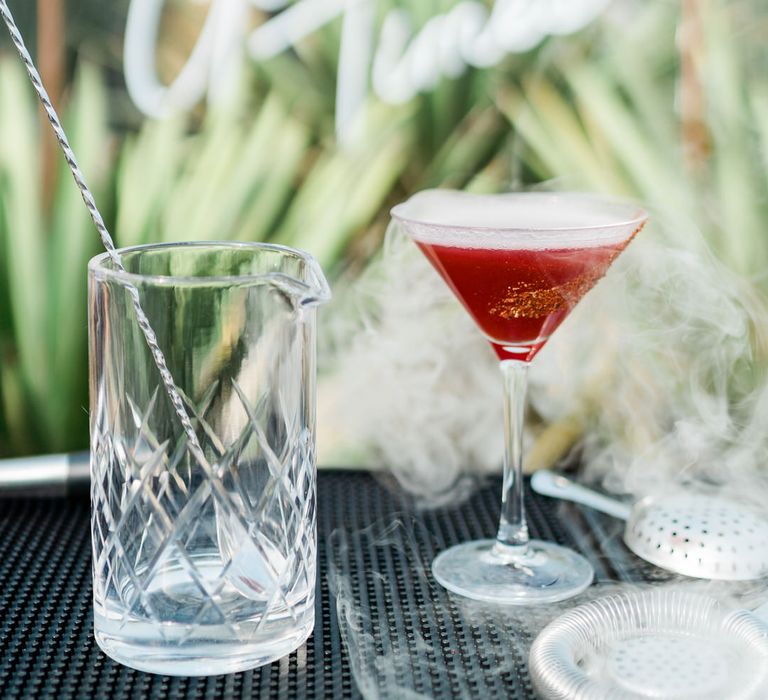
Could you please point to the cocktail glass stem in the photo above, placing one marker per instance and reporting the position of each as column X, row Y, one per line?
column 512, row 537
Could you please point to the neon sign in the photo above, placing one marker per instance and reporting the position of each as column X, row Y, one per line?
column 398, row 64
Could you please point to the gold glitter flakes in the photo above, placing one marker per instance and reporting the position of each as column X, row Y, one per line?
column 523, row 302
column 536, row 300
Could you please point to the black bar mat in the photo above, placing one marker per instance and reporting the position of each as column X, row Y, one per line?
column 407, row 636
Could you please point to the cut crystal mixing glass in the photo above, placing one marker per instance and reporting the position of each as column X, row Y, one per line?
column 204, row 563
column 518, row 263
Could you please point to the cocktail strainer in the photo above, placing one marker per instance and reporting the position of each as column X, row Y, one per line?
column 691, row 534
column 661, row 644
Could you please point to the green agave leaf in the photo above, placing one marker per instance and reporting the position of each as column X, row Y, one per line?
column 289, row 77
column 759, row 104
column 497, row 176
column 25, row 247
column 347, row 186
column 561, row 126
column 193, row 201
column 73, row 241
column 742, row 227
column 6, row 328
column 19, row 416
column 317, row 212
column 367, row 194
column 6, row 325
column 148, row 165
column 468, row 148
column 237, row 164
column 443, row 109
column 264, row 206
column 650, row 171
column 251, row 168
column 543, row 155
column 643, row 64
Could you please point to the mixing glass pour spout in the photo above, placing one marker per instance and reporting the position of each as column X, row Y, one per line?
column 307, row 287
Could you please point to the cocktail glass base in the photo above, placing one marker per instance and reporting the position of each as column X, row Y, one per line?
column 539, row 572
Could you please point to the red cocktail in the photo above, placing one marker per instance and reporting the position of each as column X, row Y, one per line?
column 519, row 296
column 518, row 263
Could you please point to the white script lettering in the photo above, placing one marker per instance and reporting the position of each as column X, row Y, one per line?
column 403, row 64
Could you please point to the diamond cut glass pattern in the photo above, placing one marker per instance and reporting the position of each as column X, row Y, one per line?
column 203, row 568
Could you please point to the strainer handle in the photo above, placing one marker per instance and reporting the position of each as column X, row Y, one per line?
column 549, row 483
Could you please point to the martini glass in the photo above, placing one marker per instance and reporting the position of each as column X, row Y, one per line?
column 518, row 263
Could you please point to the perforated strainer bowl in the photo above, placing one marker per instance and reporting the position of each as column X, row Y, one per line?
column 657, row 644
column 690, row 534
column 700, row 536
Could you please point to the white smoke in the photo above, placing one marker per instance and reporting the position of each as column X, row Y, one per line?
column 665, row 360
column 409, row 384
column 658, row 371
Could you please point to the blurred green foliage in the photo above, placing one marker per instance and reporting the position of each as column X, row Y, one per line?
column 266, row 167
column 673, row 111
column 598, row 109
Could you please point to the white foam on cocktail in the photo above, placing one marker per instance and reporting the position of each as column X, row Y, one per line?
column 517, row 220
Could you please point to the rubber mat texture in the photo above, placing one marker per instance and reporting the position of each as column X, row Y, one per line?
column 47, row 648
